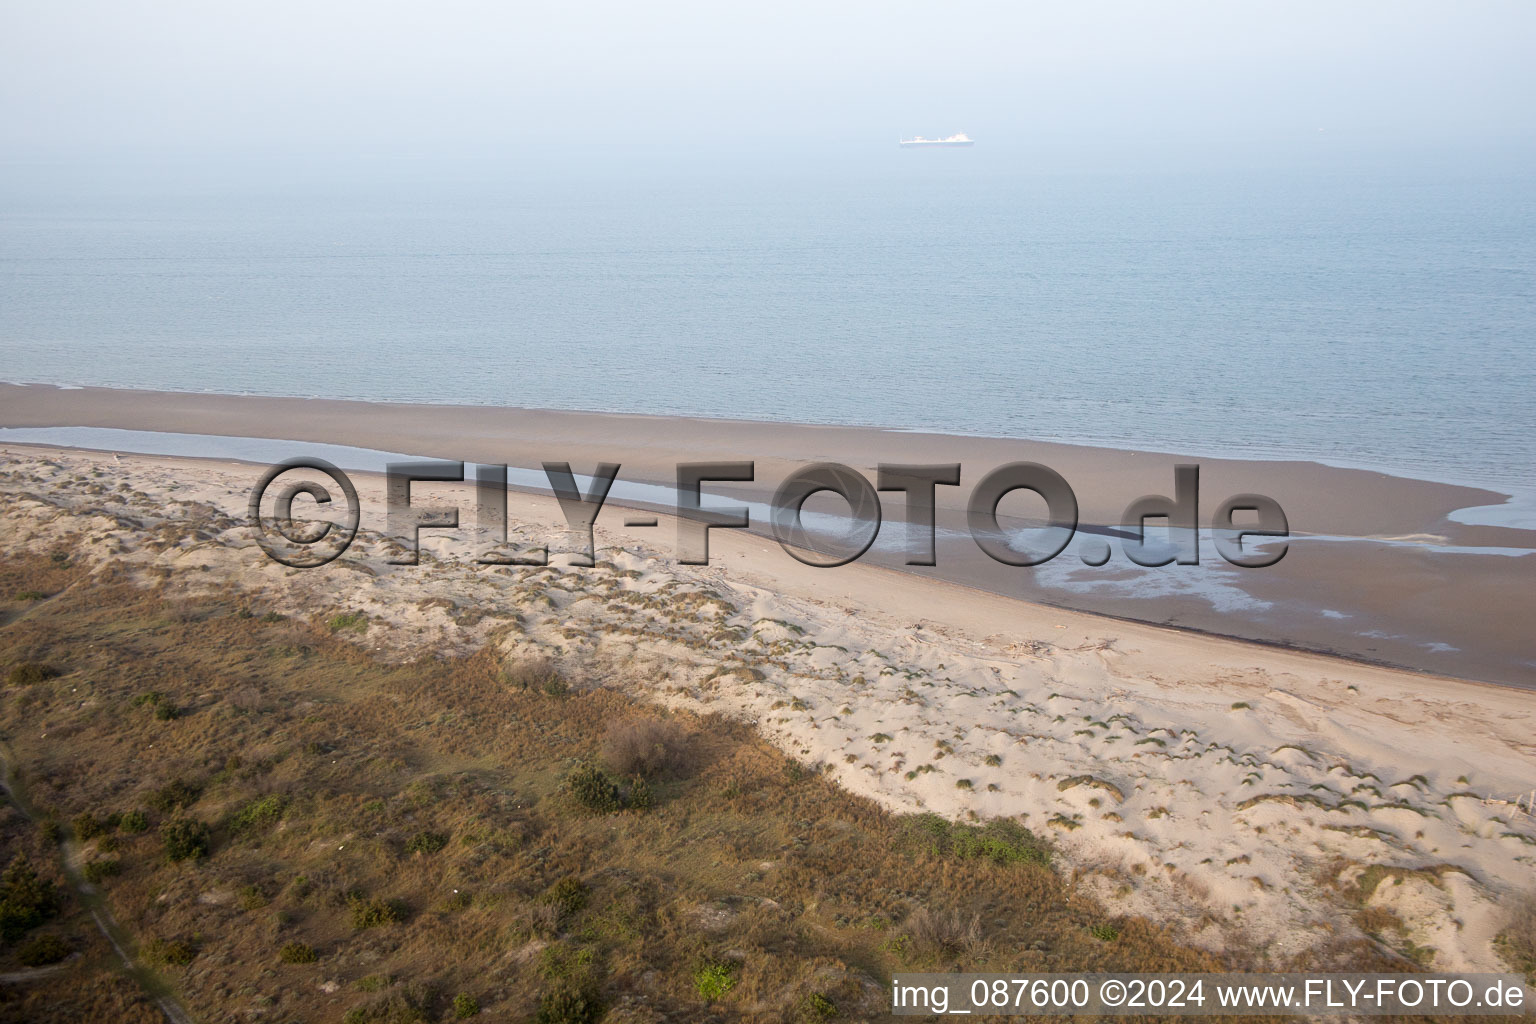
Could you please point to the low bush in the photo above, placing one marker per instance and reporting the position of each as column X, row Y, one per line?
column 372, row 913
column 427, row 842
column 170, row 953
column 259, row 814
column 297, row 953
column 29, row 672
column 86, row 827
column 43, row 950
column 186, row 839
column 645, row 746
column 98, row 871
column 569, row 1004
column 134, row 822
column 594, row 790
column 1001, row 840
column 174, row 795
column 26, row 899
column 465, row 1006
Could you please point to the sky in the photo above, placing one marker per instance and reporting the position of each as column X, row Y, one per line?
column 1107, row 84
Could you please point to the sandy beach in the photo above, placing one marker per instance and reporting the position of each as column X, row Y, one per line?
column 1376, row 570
column 1237, row 792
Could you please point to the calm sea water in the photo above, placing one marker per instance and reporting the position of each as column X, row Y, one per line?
column 1381, row 320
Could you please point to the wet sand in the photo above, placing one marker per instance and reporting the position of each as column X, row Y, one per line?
column 1394, row 586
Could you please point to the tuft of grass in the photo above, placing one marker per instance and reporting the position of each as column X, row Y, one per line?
column 567, row 896
column 713, row 978
column 355, row 622
column 259, row 814
column 946, row 931
column 1104, row 931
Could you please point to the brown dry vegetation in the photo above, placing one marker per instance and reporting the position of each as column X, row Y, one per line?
column 408, row 825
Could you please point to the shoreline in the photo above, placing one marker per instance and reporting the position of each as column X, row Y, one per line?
column 1389, row 580
column 1510, row 494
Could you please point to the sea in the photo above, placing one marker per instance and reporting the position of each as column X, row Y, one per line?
column 1379, row 317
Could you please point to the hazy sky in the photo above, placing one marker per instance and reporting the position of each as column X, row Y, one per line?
column 1108, row 84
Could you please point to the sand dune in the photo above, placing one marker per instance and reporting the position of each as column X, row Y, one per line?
column 1242, row 793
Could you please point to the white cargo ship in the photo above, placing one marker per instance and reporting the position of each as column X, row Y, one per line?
column 961, row 139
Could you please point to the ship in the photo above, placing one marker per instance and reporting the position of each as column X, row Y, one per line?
column 919, row 142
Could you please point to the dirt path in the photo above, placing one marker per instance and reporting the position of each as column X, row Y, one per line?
column 92, row 901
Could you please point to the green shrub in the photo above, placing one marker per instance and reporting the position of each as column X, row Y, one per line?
column 43, row 950
column 185, row 839
column 994, row 760
column 167, row 712
column 1001, row 841
column 375, row 912
column 134, row 822
column 640, row 797
column 816, row 1008
column 357, row 622
column 173, row 953
column 594, row 790
column 26, row 899
column 86, row 827
column 713, row 979
column 98, row 871
column 554, row 686
column 569, row 1004
column 174, row 795
column 297, row 953
column 252, row 898
column 465, row 1006
column 426, row 842
column 29, row 672
column 30, row 595
column 1104, row 932
column 261, row 813
column 567, row 896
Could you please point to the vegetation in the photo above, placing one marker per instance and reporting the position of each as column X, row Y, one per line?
column 43, row 950
column 185, row 839
column 752, row 889
column 26, row 899
column 29, row 672
column 297, row 953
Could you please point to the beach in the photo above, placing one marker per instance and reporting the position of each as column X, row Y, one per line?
column 1247, row 796
column 1377, row 570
